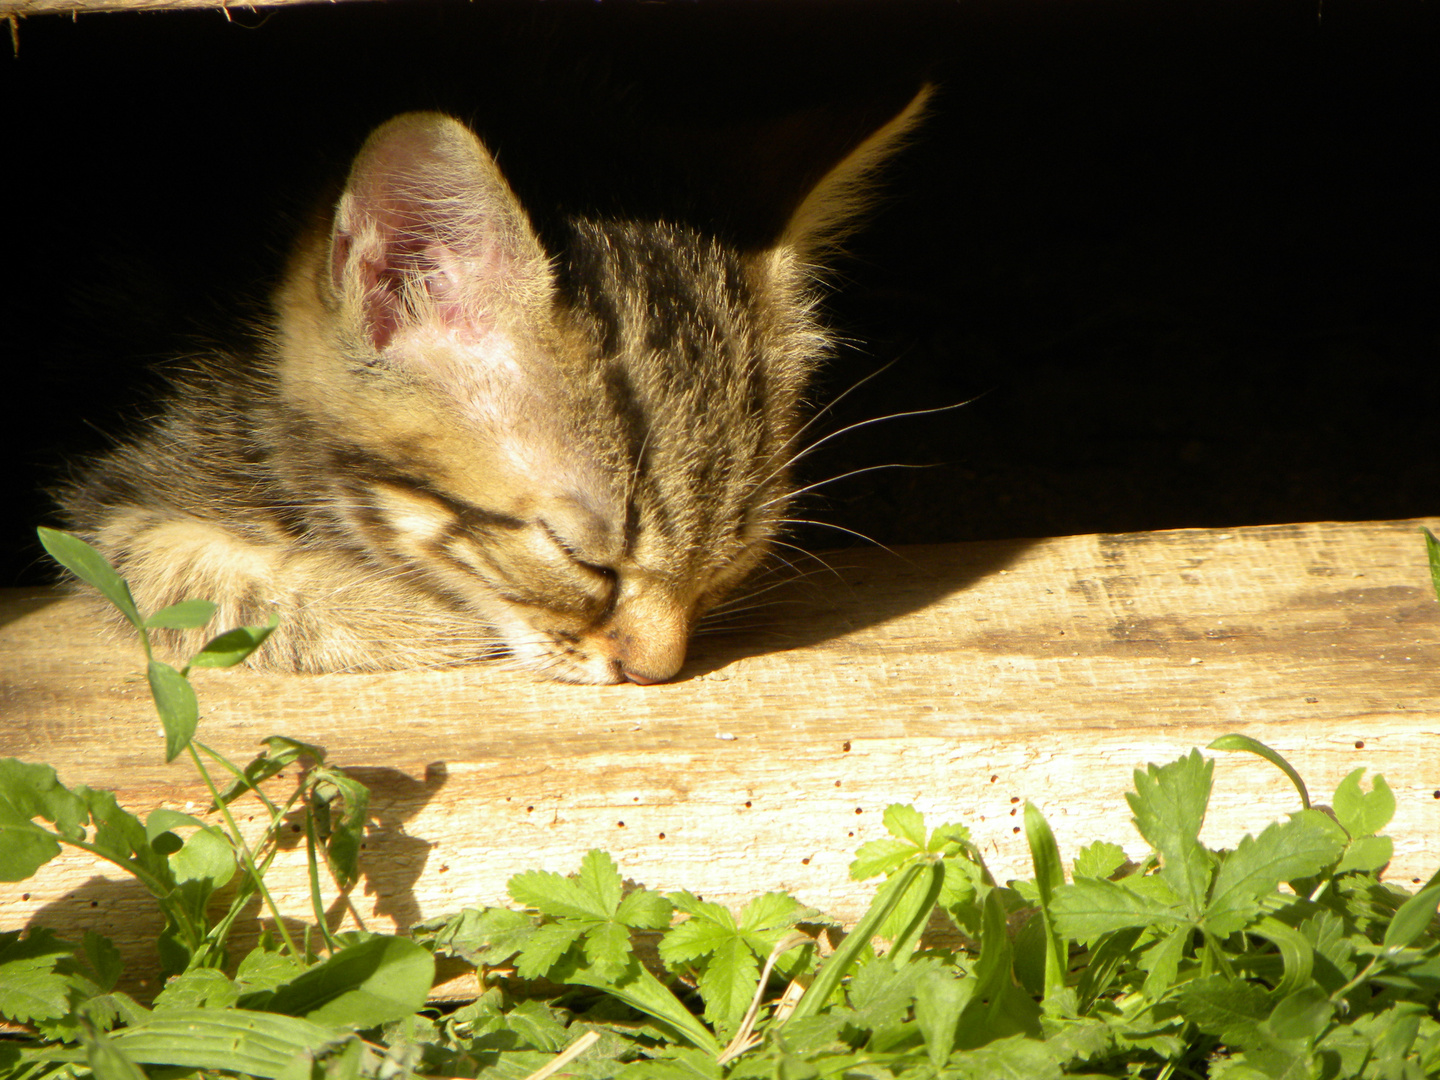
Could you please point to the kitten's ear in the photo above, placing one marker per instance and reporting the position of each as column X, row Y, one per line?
column 831, row 209
column 429, row 234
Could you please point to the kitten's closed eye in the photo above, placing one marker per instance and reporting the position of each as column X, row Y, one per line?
column 460, row 443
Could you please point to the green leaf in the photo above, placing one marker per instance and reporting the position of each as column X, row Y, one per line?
column 1089, row 907
column 1363, row 813
column 599, row 878
column 904, row 822
column 345, row 834
column 685, row 1063
column 640, row 990
column 727, row 951
column 1412, row 919
column 1368, row 854
column 1228, row 1008
column 997, row 1007
column 607, row 949
column 256, row 1044
column 559, row 897
column 1302, row 1014
column 1432, row 546
column 644, row 910
column 162, row 820
column 910, row 916
column 120, row 836
column 207, row 856
column 1049, row 876
column 262, row 969
column 1161, row 963
column 485, row 936
column 544, row 948
column 537, row 1025
column 1252, row 746
column 106, row 1060
column 186, row 615
column 1286, row 850
column 280, row 753
column 1107, row 958
column 198, row 988
column 1169, row 803
column 176, row 704
column 777, row 912
column 1014, row 1057
column 27, row 792
column 829, row 977
column 939, row 1001
column 1296, row 953
column 728, row 982
column 881, row 992
column 234, row 646
column 91, row 567
column 375, row 982
column 103, row 958
column 31, row 989
column 880, row 857
column 1099, row 860
column 696, row 938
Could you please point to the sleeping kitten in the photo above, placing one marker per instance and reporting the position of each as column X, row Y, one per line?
column 458, row 445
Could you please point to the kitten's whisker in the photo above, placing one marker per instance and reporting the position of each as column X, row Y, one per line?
column 852, row 532
column 750, row 594
column 727, row 616
column 811, row 555
column 866, row 423
column 843, row 476
column 844, row 394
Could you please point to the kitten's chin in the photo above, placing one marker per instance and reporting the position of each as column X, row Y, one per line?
column 585, row 674
column 580, row 669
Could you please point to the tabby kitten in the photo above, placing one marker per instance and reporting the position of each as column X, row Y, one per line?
column 458, row 445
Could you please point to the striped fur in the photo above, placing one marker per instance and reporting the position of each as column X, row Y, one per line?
column 455, row 445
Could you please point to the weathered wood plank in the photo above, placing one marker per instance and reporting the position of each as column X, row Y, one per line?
column 964, row 678
column 22, row 8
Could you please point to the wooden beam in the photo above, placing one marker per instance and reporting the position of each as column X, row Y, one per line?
column 23, row 8
column 965, row 679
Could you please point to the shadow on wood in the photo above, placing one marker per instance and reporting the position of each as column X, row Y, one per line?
column 840, row 592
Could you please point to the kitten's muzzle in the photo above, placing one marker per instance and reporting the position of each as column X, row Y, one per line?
column 646, row 638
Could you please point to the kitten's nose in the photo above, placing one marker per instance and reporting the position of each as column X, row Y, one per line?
column 646, row 636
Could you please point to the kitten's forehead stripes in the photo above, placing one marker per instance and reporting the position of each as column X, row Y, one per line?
column 669, row 312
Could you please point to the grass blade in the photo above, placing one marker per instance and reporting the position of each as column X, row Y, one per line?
column 1433, row 547
column 1244, row 742
column 838, row 966
column 1049, row 876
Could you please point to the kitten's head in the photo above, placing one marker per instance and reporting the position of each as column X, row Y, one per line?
column 587, row 452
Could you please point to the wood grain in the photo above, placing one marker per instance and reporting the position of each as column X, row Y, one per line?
column 964, row 679
column 22, row 8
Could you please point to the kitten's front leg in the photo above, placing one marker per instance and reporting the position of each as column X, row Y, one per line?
column 338, row 611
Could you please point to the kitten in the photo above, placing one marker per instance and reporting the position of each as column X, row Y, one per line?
column 457, row 445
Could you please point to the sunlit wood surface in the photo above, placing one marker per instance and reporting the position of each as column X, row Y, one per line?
column 965, row 679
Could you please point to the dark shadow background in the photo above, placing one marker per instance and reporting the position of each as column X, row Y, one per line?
column 1189, row 253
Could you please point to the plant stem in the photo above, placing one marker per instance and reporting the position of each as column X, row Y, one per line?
column 143, row 876
column 239, row 774
column 244, row 848
column 311, row 843
column 1339, row 995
